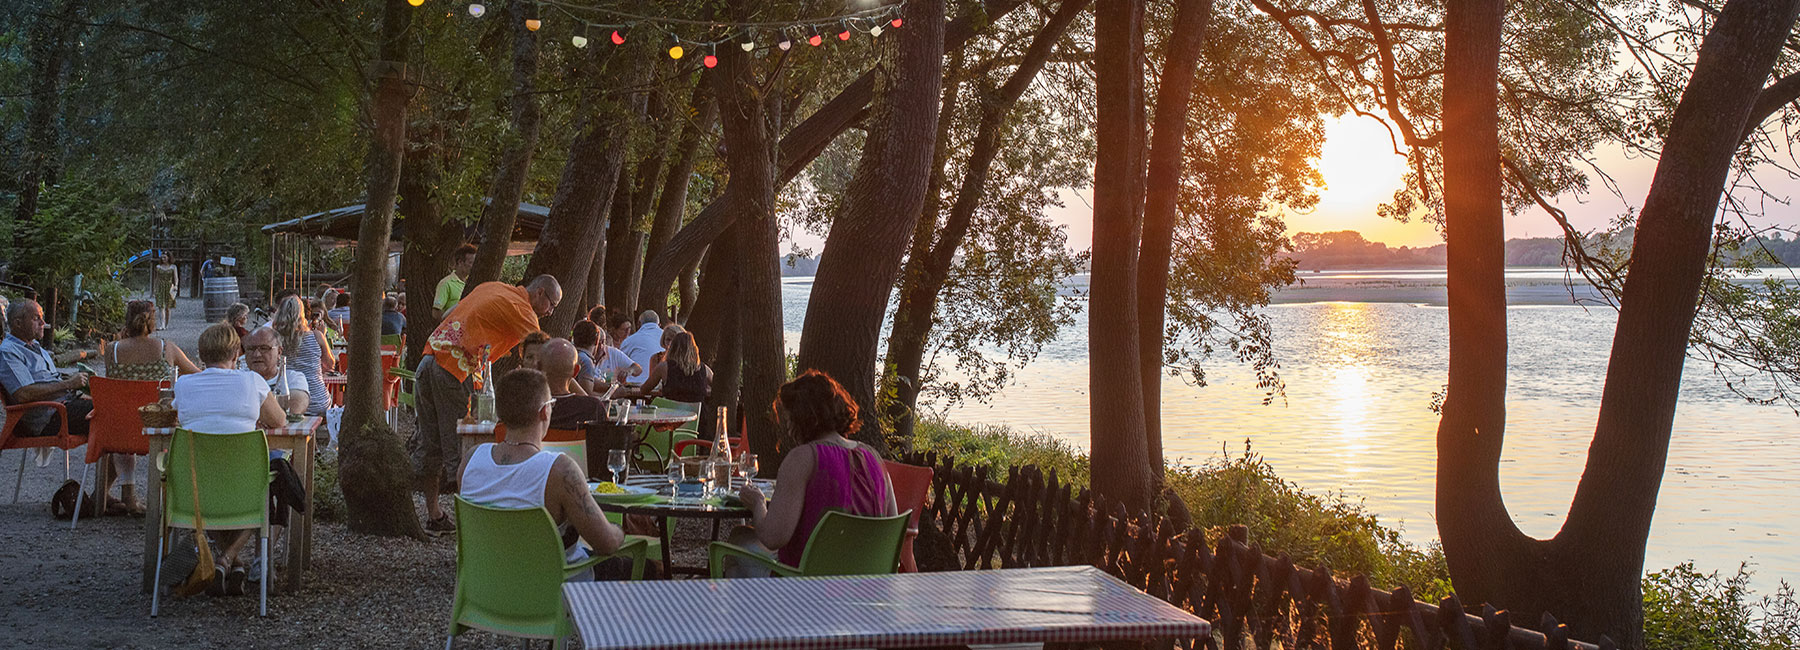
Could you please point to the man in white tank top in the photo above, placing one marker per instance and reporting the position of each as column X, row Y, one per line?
column 518, row 473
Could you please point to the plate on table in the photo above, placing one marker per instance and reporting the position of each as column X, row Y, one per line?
column 615, row 493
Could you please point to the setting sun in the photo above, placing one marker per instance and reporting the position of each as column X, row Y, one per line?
column 1358, row 163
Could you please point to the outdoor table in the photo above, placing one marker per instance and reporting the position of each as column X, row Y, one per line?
column 474, row 433
column 662, row 508
column 1053, row 605
column 297, row 439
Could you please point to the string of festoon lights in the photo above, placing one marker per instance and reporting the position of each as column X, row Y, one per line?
column 618, row 26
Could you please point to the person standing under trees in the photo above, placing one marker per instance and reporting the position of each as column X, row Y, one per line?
column 139, row 356
column 450, row 289
column 163, row 286
column 493, row 318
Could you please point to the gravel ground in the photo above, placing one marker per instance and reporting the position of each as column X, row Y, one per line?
column 79, row 589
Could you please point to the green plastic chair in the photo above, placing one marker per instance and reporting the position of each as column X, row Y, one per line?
column 232, row 473
column 842, row 544
column 394, row 340
column 510, row 572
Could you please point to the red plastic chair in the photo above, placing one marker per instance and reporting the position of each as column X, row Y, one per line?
column 62, row 440
column 115, row 427
column 738, row 446
column 911, row 484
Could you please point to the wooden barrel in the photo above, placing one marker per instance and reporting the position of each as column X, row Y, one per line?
column 220, row 294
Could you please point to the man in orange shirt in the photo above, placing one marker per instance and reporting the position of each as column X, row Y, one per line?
column 486, row 323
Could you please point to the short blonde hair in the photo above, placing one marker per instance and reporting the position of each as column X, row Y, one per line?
column 219, row 344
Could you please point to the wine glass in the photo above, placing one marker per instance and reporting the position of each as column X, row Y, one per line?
column 674, row 474
column 615, row 461
column 747, row 466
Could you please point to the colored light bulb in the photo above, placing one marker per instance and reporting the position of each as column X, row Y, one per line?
column 676, row 52
column 895, row 22
column 533, row 24
column 814, row 40
column 617, row 38
column 710, row 61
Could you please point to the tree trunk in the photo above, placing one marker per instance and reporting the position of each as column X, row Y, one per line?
column 715, row 326
column 749, row 138
column 1589, row 574
column 687, row 288
column 1162, row 191
column 1115, row 388
column 508, row 187
column 430, row 241
column 928, row 268
column 53, row 42
column 574, row 232
column 618, row 236
column 869, row 234
column 798, row 148
column 375, row 475
column 673, row 205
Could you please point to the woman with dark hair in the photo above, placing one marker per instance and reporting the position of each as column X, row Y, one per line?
column 681, row 377
column 139, row 356
column 827, row 471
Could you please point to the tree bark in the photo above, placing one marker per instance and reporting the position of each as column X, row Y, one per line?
column 53, row 39
column 673, row 205
column 1162, row 191
column 1115, row 387
column 715, row 326
column 574, row 232
column 798, row 149
column 1590, row 573
column 618, row 235
column 508, row 187
column 375, row 475
column 748, row 131
column 869, row 234
column 928, row 268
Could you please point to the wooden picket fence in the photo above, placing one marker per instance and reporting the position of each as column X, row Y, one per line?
column 1252, row 599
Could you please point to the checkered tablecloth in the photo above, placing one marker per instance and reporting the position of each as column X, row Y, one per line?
column 1050, row 604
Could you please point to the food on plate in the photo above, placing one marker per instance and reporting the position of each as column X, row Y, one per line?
column 608, row 487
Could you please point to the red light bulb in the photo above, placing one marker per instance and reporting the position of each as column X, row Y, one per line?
column 710, row 61
column 844, row 35
column 895, row 22
column 814, row 40
column 617, row 38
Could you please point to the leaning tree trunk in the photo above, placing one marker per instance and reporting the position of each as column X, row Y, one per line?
column 1115, row 388
column 869, row 233
column 672, row 206
column 575, row 229
column 1162, row 191
column 430, row 240
column 376, row 474
column 928, row 268
column 749, row 139
column 502, row 210
column 1590, row 573
column 618, row 231
column 798, row 148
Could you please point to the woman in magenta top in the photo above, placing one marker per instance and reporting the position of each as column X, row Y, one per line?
column 826, row 471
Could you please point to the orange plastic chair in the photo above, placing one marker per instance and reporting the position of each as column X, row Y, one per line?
column 62, row 440
column 738, row 446
column 911, row 484
column 115, row 427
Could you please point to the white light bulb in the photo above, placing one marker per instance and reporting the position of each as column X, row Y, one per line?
column 579, row 40
column 875, row 31
column 477, row 10
column 747, row 45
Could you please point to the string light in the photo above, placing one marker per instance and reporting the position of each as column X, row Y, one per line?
column 873, row 22
column 748, row 44
column 895, row 22
column 786, row 41
column 415, row 3
column 476, row 9
column 676, row 52
column 618, row 37
column 711, row 60
column 533, row 24
column 814, row 40
column 578, row 40
column 875, row 31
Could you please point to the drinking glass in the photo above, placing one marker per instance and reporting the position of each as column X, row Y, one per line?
column 747, row 466
column 615, row 461
column 674, row 475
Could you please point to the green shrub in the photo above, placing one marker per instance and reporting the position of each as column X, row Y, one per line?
column 328, row 496
column 1314, row 529
column 1688, row 610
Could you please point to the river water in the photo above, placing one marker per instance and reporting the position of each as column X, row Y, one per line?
column 1361, row 354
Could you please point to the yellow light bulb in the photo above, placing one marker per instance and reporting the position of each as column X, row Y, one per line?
column 415, row 3
column 533, row 24
column 676, row 52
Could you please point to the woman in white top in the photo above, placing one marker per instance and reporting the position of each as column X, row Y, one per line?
column 220, row 399
column 518, row 473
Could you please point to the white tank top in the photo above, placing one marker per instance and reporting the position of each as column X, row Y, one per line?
column 519, row 485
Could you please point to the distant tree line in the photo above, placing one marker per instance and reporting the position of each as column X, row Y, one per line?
column 1347, row 249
